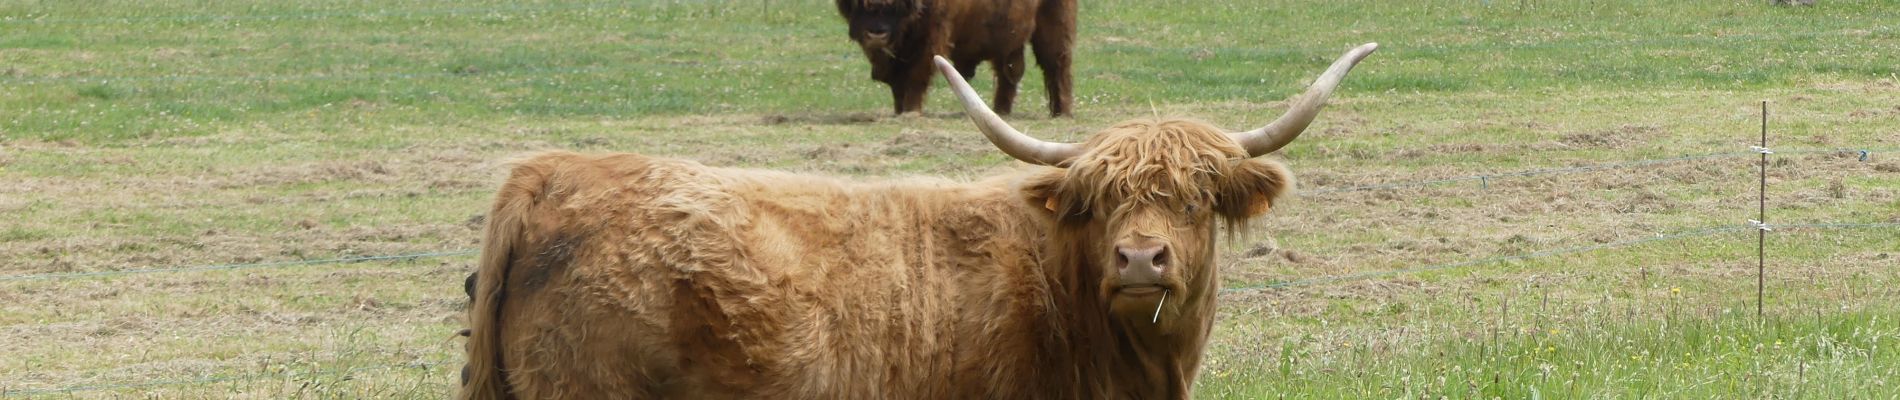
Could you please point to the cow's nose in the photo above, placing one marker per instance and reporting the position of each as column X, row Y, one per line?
column 1142, row 263
column 878, row 31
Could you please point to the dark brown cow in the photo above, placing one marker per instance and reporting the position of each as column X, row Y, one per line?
column 900, row 37
column 1092, row 276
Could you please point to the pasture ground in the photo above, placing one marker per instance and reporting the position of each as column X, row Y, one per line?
column 155, row 134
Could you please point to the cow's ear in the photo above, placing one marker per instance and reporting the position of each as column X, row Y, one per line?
column 1253, row 187
column 1044, row 191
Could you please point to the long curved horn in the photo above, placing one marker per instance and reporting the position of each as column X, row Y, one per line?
column 1281, row 131
column 1010, row 140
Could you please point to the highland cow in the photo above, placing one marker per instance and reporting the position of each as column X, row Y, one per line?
column 1089, row 276
column 900, row 37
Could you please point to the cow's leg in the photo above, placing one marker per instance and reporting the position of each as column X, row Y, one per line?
column 916, row 83
column 897, row 95
column 1054, row 37
column 1009, row 72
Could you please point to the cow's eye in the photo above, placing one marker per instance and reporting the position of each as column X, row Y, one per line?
column 1191, row 208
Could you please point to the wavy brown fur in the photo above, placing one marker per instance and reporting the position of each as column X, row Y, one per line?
column 1172, row 163
column 482, row 376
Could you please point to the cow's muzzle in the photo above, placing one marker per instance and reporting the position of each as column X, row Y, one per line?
column 879, row 45
column 1142, row 266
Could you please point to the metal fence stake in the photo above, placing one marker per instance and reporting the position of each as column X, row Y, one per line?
column 1761, row 233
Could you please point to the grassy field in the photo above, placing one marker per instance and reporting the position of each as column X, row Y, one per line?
column 176, row 133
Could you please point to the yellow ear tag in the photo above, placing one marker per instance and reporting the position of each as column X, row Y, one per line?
column 1050, row 204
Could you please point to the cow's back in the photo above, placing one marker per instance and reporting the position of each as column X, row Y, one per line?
column 665, row 278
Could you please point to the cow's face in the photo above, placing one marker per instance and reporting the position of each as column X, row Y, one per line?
column 1144, row 195
column 878, row 25
column 1150, row 193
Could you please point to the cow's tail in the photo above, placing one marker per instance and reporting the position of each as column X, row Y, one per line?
column 483, row 378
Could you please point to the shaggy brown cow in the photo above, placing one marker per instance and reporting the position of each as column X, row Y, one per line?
column 900, row 37
column 622, row 276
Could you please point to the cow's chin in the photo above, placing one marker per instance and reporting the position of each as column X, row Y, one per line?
column 877, row 47
column 1138, row 302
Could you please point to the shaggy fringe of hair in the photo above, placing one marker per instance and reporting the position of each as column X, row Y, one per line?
column 1173, row 162
column 1154, row 162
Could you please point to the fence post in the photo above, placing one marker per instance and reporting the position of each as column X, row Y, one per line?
column 1761, row 231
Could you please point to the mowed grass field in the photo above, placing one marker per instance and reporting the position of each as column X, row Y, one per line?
column 139, row 135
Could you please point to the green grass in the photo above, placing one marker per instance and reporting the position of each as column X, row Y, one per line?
column 156, row 134
column 1676, row 354
column 102, row 74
